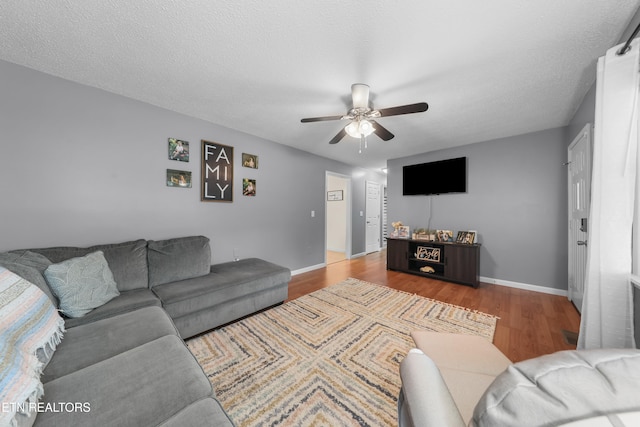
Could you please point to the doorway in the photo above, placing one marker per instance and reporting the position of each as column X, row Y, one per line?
column 373, row 210
column 579, row 181
column 338, row 217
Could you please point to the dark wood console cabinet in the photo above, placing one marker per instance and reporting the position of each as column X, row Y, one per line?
column 454, row 262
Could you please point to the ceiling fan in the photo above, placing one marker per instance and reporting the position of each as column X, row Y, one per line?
column 362, row 117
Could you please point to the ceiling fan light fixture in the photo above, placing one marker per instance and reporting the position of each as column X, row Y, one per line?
column 366, row 128
column 352, row 129
column 360, row 96
column 359, row 128
column 362, row 117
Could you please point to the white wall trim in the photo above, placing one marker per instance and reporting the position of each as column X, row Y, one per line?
column 499, row 282
column 361, row 254
column 524, row 286
column 348, row 198
column 307, row 269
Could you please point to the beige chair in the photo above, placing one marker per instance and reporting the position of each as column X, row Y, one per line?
column 461, row 366
column 455, row 380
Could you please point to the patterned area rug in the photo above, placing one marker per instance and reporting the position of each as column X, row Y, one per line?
column 329, row 358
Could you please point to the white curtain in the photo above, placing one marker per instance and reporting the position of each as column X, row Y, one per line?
column 607, row 306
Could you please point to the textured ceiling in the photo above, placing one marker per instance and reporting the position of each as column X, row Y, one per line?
column 488, row 69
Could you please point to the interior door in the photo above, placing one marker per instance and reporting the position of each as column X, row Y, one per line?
column 579, row 178
column 372, row 208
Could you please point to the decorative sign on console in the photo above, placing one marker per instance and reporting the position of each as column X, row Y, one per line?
column 217, row 172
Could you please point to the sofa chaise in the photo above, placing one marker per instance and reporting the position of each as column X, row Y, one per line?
column 458, row 380
column 126, row 309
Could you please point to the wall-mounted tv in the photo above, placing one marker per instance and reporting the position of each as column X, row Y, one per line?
column 441, row 177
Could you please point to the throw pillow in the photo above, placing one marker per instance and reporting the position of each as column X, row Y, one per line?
column 127, row 261
column 82, row 284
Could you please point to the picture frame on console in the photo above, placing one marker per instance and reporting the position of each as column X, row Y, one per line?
column 444, row 235
column 404, row 232
column 470, row 238
column 428, row 254
column 466, row 237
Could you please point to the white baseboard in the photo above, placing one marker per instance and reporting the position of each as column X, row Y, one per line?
column 307, row 269
column 525, row 286
column 324, row 264
column 335, row 249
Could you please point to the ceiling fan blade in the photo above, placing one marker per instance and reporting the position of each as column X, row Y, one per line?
column 381, row 131
column 360, row 95
column 339, row 136
column 404, row 109
column 321, row 119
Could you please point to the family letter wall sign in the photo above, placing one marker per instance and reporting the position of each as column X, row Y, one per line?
column 217, row 172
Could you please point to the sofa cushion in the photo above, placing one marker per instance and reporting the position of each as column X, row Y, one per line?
column 178, row 259
column 141, row 387
column 30, row 266
column 562, row 387
column 127, row 261
column 208, row 409
column 82, row 284
column 226, row 311
column 125, row 302
column 94, row 342
column 225, row 282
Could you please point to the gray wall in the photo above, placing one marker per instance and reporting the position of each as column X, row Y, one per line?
column 516, row 200
column 80, row 166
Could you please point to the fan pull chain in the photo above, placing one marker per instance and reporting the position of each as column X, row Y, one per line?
column 363, row 139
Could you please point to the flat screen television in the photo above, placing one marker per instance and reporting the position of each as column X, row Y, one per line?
column 441, row 177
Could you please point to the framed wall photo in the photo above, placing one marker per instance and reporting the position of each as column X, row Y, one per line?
column 217, row 172
column 248, row 187
column 249, row 161
column 176, row 178
column 178, row 150
column 335, row 195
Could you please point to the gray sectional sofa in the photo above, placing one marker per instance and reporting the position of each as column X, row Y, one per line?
column 126, row 359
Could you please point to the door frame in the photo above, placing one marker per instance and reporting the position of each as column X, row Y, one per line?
column 348, row 219
column 585, row 133
column 379, row 210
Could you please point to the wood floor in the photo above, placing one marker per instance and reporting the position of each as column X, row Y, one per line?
column 530, row 323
